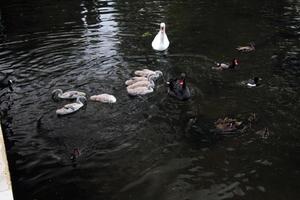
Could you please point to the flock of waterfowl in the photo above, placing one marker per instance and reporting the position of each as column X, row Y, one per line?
column 143, row 82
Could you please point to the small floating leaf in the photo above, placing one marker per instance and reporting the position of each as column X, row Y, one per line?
column 146, row 34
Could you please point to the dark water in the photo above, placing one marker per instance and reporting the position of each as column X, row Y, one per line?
column 152, row 147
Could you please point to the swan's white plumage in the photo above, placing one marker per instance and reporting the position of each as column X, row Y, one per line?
column 161, row 41
column 147, row 73
column 139, row 91
column 144, row 72
column 104, row 98
column 72, row 107
column 141, row 84
column 58, row 93
column 135, row 79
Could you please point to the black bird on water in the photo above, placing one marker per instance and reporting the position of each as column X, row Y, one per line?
column 178, row 88
column 5, row 82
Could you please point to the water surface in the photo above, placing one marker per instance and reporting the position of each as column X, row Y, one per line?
column 153, row 147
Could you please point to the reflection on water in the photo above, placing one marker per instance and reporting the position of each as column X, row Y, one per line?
column 153, row 147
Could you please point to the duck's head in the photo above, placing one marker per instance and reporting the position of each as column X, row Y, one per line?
column 256, row 79
column 235, row 62
column 182, row 79
column 162, row 27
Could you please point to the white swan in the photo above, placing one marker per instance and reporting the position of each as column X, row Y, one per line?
column 161, row 41
column 135, row 79
column 104, row 98
column 147, row 72
column 139, row 91
column 72, row 107
column 58, row 93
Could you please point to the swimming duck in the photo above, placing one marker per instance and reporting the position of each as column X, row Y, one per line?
column 253, row 82
column 161, row 41
column 227, row 124
column 58, row 93
column 178, row 88
column 139, row 91
column 222, row 66
column 104, row 98
column 147, row 72
column 249, row 48
column 72, row 107
column 5, row 82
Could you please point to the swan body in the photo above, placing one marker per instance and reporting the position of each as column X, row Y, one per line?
column 147, row 72
column 222, row 66
column 72, row 107
column 135, row 79
column 177, row 88
column 58, row 93
column 161, row 41
column 139, row 91
column 104, row 98
column 142, row 84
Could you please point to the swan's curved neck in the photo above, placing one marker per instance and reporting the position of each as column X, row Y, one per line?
column 78, row 100
column 162, row 36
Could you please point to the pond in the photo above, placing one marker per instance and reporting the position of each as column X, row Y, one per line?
column 154, row 146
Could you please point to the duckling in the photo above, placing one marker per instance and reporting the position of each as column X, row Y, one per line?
column 254, row 82
column 147, row 72
column 227, row 124
column 222, row 66
column 177, row 88
column 72, row 107
column 58, row 93
column 139, row 91
column 249, row 48
column 5, row 82
column 161, row 41
column 104, row 98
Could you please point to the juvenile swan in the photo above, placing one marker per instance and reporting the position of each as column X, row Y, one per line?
column 135, row 79
column 161, row 41
column 104, row 98
column 147, row 72
column 58, row 93
column 139, row 91
column 72, row 107
column 145, row 83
